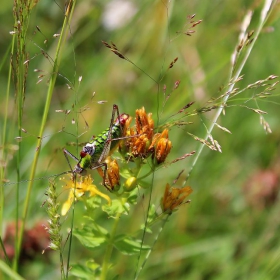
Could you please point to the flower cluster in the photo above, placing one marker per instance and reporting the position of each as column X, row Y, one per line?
column 137, row 144
column 143, row 142
column 140, row 136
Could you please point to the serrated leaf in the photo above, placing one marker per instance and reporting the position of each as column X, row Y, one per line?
column 128, row 245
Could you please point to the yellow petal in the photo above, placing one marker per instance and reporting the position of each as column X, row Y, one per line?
column 67, row 204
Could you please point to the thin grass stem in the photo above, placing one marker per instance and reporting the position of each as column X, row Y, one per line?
column 150, row 250
column 61, row 42
column 268, row 7
column 4, row 136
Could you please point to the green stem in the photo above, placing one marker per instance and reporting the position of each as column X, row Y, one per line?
column 9, row 272
column 150, row 250
column 147, row 174
column 109, row 249
column 21, row 16
column 60, row 45
column 4, row 136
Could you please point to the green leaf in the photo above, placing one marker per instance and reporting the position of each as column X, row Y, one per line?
column 87, row 271
column 152, row 215
column 132, row 199
column 81, row 271
column 128, row 245
column 116, row 207
column 91, row 235
column 93, row 202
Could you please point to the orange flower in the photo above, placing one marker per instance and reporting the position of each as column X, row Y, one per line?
column 144, row 123
column 173, row 198
column 144, row 127
column 161, row 146
column 142, row 142
column 113, row 173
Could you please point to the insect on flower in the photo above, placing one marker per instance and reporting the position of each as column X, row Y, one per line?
column 95, row 152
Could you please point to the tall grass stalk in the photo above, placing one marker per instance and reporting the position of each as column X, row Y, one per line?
column 4, row 130
column 235, row 72
column 8, row 271
column 61, row 42
column 21, row 11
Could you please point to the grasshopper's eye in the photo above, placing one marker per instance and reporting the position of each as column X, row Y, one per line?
column 83, row 154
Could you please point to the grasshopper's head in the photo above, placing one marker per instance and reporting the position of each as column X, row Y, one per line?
column 84, row 162
column 122, row 119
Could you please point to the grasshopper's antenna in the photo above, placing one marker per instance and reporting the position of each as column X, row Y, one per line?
column 37, row 179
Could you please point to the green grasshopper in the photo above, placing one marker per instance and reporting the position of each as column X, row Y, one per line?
column 94, row 153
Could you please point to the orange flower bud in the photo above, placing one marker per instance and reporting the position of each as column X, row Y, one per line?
column 162, row 147
column 113, row 173
column 173, row 198
column 162, row 150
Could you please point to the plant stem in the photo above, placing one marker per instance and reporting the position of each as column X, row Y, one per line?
column 150, row 250
column 22, row 13
column 4, row 135
column 109, row 249
column 62, row 39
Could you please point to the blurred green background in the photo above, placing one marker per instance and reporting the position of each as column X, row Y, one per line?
column 231, row 228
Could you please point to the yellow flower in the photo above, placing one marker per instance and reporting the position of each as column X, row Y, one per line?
column 78, row 189
column 173, row 198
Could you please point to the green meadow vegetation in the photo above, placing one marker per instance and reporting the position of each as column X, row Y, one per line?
column 190, row 190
